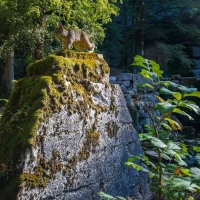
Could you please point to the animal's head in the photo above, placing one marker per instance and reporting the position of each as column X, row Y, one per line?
column 59, row 29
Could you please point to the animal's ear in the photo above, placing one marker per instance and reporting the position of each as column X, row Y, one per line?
column 59, row 25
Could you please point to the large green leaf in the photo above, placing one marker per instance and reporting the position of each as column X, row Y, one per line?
column 157, row 142
column 193, row 94
column 186, row 89
column 165, row 107
column 181, row 184
column 173, row 146
column 176, row 156
column 196, row 149
column 156, row 68
column 195, row 173
column 165, row 156
column 146, row 74
column 190, row 105
column 179, row 87
column 176, row 95
column 181, row 112
column 140, row 61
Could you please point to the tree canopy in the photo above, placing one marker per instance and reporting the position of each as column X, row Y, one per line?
column 30, row 22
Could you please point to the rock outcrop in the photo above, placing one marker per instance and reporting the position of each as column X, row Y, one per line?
column 66, row 134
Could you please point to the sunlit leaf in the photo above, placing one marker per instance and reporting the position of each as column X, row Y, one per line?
column 160, row 99
column 186, row 171
column 181, row 184
column 176, row 157
column 173, row 146
column 181, row 112
column 157, row 142
column 195, row 173
column 175, row 125
column 166, row 126
column 140, row 61
column 196, row 148
column 142, row 85
column 178, row 171
column 184, row 148
column 146, row 74
column 165, row 156
column 193, row 94
column 156, row 68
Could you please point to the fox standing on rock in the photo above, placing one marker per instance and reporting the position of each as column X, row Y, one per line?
column 77, row 37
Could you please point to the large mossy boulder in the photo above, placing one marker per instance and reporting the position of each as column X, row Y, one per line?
column 66, row 133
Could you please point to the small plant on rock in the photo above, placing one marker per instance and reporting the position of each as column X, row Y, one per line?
column 171, row 177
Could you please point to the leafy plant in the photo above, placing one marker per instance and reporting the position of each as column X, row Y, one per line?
column 171, row 177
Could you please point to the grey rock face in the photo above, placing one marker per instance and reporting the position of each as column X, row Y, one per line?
column 126, row 83
column 83, row 153
column 125, row 77
column 113, row 79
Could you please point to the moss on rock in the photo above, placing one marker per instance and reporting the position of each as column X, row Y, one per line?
column 82, row 68
column 34, row 99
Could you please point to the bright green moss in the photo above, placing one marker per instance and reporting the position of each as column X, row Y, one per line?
column 80, row 55
column 86, row 68
column 22, row 116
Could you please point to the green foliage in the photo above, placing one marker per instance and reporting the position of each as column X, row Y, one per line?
column 31, row 23
column 171, row 176
column 174, row 55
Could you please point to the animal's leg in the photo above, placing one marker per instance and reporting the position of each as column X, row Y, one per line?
column 71, row 40
column 91, row 49
column 64, row 43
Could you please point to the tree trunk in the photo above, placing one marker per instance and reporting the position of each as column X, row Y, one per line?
column 142, row 24
column 8, row 73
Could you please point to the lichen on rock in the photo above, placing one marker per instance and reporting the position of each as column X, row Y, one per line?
column 66, row 133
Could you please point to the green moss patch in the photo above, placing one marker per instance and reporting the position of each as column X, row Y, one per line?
column 22, row 116
column 87, row 68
